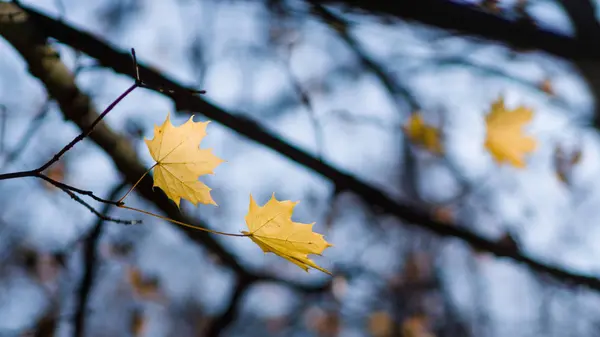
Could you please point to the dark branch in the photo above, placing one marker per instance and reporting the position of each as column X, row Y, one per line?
column 120, row 62
column 90, row 265
column 87, row 131
column 229, row 315
column 471, row 20
column 342, row 29
column 101, row 216
column 66, row 187
column 583, row 18
column 77, row 107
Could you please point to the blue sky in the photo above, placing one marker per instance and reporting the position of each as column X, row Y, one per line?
column 552, row 221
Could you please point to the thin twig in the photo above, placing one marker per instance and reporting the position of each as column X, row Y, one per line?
column 80, row 137
column 123, row 156
column 28, row 135
column 75, row 189
column 88, row 131
column 110, row 57
column 97, row 213
column 158, row 88
column 306, row 101
column 471, row 20
column 64, row 187
column 341, row 28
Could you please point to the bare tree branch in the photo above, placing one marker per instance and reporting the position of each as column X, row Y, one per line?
column 342, row 29
column 100, row 215
column 229, row 315
column 583, row 18
column 120, row 62
column 29, row 41
column 471, row 20
column 7, row 19
column 90, row 265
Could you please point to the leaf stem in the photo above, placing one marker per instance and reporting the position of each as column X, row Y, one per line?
column 181, row 223
column 120, row 201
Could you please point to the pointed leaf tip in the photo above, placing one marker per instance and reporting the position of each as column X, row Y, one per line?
column 272, row 229
column 173, row 146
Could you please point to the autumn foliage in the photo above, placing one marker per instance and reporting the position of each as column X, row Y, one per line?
column 179, row 164
column 505, row 139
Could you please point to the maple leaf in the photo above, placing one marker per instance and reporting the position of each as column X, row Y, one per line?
column 423, row 135
column 272, row 229
column 180, row 161
column 504, row 135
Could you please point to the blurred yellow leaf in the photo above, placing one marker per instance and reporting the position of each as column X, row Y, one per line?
column 137, row 323
column 416, row 326
column 505, row 139
column 380, row 324
column 145, row 287
column 272, row 229
column 180, row 161
column 423, row 135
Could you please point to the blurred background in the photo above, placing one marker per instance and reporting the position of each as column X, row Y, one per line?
column 336, row 80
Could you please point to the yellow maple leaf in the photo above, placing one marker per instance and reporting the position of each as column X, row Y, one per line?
column 180, row 161
column 423, row 135
column 505, row 139
column 272, row 229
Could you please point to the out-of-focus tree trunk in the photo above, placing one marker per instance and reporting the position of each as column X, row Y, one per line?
column 583, row 18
